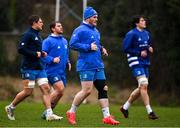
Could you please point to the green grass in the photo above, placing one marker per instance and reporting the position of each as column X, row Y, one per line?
column 28, row 115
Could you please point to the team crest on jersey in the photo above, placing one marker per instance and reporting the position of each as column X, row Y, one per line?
column 22, row 43
column 27, row 75
column 138, row 72
column 59, row 47
column 36, row 38
column 55, row 78
column 139, row 39
column 84, row 76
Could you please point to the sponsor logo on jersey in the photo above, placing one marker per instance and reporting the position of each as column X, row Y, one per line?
column 36, row 38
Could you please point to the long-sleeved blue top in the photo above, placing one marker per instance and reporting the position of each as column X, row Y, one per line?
column 56, row 46
column 80, row 41
column 134, row 42
column 29, row 44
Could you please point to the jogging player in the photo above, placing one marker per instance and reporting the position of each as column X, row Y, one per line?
column 137, row 46
column 30, row 47
column 86, row 40
column 56, row 47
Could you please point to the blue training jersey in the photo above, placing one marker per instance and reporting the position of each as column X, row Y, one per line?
column 134, row 42
column 55, row 46
column 80, row 41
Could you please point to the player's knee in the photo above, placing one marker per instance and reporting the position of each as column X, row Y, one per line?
column 28, row 83
column 142, row 81
column 102, row 94
column 42, row 81
column 60, row 91
column 102, row 88
column 143, row 89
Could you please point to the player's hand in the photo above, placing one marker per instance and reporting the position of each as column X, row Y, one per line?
column 56, row 60
column 94, row 46
column 43, row 54
column 38, row 54
column 69, row 66
column 104, row 51
column 144, row 53
column 151, row 50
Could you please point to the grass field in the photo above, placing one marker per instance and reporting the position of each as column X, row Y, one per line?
column 28, row 115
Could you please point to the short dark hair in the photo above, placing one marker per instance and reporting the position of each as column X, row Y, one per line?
column 136, row 19
column 52, row 25
column 33, row 18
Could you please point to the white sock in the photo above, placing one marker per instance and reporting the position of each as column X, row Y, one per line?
column 73, row 108
column 126, row 105
column 49, row 112
column 105, row 112
column 148, row 108
column 12, row 106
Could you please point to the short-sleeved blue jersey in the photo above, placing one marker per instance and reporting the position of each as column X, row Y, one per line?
column 55, row 46
column 134, row 42
column 30, row 43
column 81, row 40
